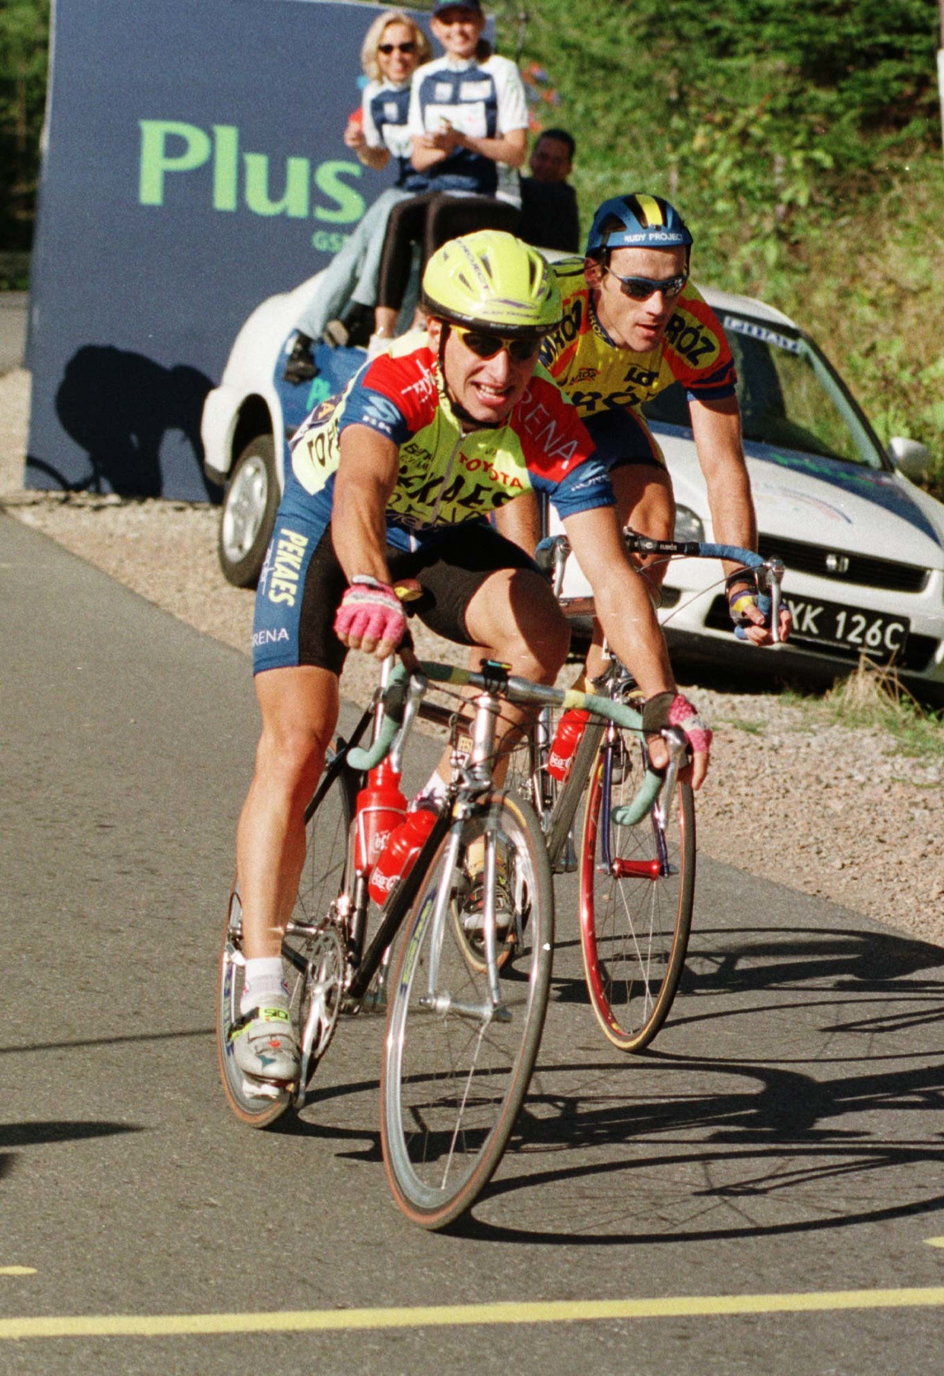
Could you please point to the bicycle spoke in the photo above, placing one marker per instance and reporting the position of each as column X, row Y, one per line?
column 458, row 1060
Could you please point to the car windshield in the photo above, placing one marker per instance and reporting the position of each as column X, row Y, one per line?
column 790, row 396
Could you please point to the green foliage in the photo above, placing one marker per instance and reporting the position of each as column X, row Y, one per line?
column 24, row 36
column 802, row 141
column 873, row 697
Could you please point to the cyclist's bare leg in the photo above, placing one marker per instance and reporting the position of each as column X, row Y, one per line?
column 515, row 619
column 299, row 711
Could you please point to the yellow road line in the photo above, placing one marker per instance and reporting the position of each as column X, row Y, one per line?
column 551, row 1311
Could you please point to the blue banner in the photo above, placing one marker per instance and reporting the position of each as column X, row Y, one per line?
column 194, row 166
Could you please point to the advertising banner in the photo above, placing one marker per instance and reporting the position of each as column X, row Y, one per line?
column 194, row 165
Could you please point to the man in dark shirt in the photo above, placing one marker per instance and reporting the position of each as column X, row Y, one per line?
column 548, row 203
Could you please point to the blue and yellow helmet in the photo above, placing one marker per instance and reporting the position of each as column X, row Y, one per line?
column 637, row 221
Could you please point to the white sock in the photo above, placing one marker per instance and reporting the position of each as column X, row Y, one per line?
column 263, row 981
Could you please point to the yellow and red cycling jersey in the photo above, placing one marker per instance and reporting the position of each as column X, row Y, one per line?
column 609, row 385
column 448, row 474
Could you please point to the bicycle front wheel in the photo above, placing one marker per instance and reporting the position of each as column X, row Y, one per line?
column 637, row 886
column 313, row 959
column 465, row 1022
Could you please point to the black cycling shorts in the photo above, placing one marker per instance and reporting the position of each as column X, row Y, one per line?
column 294, row 621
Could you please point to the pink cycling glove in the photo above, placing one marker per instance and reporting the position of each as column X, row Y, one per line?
column 672, row 709
column 370, row 610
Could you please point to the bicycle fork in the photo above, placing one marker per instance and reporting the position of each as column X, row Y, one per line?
column 658, row 866
column 475, row 779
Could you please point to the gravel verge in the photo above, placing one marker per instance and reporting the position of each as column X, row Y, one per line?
column 793, row 796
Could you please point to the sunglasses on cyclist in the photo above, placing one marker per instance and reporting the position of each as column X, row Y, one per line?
column 641, row 288
column 485, row 345
column 388, row 48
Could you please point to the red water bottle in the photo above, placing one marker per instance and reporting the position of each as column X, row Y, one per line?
column 400, row 852
column 570, row 728
column 381, row 808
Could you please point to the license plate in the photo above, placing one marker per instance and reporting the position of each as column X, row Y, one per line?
column 826, row 623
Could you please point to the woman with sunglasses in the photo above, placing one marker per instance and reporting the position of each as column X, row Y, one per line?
column 469, row 125
column 632, row 325
column 394, row 46
column 394, row 480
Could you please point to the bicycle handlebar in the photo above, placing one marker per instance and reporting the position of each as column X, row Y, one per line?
column 516, row 689
column 551, row 555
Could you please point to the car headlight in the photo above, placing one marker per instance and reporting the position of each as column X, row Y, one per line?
column 688, row 525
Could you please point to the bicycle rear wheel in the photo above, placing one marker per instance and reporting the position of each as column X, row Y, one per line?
column 637, row 887
column 456, row 1064
column 313, row 958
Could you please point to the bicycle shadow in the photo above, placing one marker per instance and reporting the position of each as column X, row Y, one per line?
column 134, row 419
column 724, row 963
column 772, row 1160
column 15, row 1136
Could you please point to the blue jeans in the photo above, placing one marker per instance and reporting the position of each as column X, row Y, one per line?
column 354, row 270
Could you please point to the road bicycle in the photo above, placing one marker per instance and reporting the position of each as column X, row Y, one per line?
column 467, row 988
column 636, row 880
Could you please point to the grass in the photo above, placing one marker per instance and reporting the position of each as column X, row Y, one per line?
column 874, row 698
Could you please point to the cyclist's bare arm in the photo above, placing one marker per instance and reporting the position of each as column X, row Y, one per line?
column 520, row 522
column 716, row 427
column 622, row 603
column 365, row 479
column 625, row 611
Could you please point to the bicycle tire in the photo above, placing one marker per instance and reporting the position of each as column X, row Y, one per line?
column 452, row 1082
column 313, row 957
column 637, row 887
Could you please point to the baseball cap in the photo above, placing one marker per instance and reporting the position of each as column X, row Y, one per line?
column 456, row 5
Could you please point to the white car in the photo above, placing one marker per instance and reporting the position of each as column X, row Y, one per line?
column 862, row 544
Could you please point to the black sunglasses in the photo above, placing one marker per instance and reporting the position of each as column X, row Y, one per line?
column 388, row 48
column 485, row 345
column 641, row 288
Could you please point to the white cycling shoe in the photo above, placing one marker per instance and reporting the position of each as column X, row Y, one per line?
column 265, row 1046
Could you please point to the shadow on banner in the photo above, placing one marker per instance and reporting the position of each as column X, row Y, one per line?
column 177, row 194
column 133, row 418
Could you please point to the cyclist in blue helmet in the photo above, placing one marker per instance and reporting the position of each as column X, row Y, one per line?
column 632, row 325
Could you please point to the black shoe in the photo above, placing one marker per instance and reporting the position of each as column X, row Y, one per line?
column 300, row 365
column 351, row 330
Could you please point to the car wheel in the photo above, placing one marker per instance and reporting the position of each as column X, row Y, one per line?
column 250, row 501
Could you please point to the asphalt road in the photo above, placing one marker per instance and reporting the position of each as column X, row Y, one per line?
column 761, row 1193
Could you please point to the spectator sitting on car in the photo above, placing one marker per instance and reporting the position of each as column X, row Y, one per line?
column 394, row 46
column 549, row 217
column 468, row 121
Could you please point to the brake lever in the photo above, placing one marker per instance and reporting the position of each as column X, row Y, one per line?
column 773, row 577
column 677, row 744
column 416, row 689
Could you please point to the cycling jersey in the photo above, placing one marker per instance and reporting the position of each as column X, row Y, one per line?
column 446, row 476
column 479, row 99
column 609, row 384
column 385, row 106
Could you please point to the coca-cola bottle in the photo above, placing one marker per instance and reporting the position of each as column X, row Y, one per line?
column 570, row 728
column 381, row 808
column 400, row 852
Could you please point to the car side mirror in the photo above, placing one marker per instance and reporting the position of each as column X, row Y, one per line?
column 912, row 458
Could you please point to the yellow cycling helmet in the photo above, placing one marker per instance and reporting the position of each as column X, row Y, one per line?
column 490, row 280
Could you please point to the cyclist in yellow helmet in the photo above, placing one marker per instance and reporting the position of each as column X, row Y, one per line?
column 393, row 479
